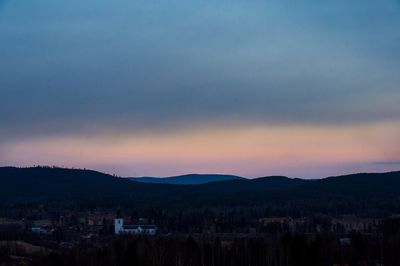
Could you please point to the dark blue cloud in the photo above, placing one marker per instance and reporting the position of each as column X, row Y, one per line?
column 389, row 163
column 84, row 65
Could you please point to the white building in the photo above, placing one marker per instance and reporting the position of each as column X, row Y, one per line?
column 139, row 229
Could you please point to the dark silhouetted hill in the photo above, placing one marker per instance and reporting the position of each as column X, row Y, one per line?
column 47, row 183
column 44, row 183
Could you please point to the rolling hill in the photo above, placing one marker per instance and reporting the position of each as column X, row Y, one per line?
column 72, row 185
column 45, row 183
column 190, row 179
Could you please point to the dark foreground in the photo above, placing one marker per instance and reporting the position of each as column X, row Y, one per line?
column 54, row 216
column 84, row 238
column 285, row 250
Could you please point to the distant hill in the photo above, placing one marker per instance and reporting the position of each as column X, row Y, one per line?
column 191, row 179
column 339, row 193
column 47, row 183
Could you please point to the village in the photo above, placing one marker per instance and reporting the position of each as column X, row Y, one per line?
column 68, row 228
column 45, row 230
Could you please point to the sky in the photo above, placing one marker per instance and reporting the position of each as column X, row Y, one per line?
column 158, row 88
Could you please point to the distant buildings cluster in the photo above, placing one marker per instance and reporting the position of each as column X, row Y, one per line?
column 136, row 229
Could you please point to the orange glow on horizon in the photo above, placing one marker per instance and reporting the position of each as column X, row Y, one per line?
column 249, row 151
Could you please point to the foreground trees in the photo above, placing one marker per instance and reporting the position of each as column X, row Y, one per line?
column 287, row 250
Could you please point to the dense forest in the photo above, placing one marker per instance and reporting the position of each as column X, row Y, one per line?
column 362, row 193
column 56, row 216
column 286, row 250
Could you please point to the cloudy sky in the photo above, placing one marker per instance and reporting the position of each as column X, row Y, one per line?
column 301, row 88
